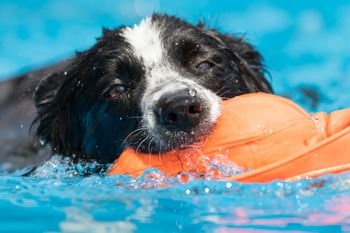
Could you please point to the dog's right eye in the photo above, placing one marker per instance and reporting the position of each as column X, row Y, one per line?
column 204, row 65
column 115, row 91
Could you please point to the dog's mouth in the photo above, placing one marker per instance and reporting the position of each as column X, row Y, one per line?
column 164, row 140
column 175, row 121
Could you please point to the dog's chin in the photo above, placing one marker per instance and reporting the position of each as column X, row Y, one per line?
column 162, row 140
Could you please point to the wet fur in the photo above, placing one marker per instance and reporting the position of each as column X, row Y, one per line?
column 74, row 117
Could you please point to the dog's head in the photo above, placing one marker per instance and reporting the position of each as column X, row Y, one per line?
column 155, row 87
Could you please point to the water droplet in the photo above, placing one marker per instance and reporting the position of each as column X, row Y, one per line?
column 206, row 190
column 42, row 142
column 65, row 73
column 187, row 191
column 120, row 118
column 228, row 185
column 21, row 126
column 192, row 92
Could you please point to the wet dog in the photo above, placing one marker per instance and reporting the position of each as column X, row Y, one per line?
column 155, row 86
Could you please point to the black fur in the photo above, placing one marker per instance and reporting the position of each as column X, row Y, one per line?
column 77, row 117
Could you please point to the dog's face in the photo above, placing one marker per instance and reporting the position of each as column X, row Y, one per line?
column 156, row 86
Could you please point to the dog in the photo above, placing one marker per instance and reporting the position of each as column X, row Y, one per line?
column 155, row 87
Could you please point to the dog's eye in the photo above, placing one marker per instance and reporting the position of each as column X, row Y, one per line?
column 204, row 65
column 115, row 91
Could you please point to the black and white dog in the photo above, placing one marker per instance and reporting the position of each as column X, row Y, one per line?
column 155, row 86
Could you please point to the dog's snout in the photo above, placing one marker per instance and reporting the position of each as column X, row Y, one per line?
column 181, row 110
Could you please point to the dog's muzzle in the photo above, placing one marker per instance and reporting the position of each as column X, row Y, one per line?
column 179, row 111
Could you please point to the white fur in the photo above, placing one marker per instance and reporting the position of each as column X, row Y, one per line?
column 146, row 43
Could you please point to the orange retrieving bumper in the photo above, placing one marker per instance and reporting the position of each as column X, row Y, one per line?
column 270, row 135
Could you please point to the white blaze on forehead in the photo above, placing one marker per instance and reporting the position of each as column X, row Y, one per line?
column 146, row 42
column 161, row 77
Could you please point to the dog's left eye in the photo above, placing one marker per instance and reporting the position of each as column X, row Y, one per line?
column 115, row 91
column 204, row 65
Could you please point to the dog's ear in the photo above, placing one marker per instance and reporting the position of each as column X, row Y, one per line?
column 46, row 91
column 53, row 98
column 249, row 60
column 59, row 102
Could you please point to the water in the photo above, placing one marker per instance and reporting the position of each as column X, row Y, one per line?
column 305, row 45
column 63, row 202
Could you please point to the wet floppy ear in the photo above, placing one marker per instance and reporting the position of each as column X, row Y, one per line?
column 46, row 91
column 249, row 60
column 52, row 100
column 59, row 103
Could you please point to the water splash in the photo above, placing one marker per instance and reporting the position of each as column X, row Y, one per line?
column 123, row 202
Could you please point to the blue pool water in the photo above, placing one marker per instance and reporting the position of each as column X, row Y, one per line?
column 305, row 44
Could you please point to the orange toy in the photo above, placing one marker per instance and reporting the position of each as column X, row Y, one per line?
column 269, row 135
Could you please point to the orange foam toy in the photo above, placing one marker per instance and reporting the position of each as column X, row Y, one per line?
column 269, row 135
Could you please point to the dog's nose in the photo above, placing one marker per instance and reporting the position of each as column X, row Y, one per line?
column 180, row 111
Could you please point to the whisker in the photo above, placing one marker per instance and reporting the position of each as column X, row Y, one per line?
column 160, row 149
column 137, row 148
column 223, row 90
column 134, row 117
column 138, row 130
column 218, row 92
column 149, row 144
